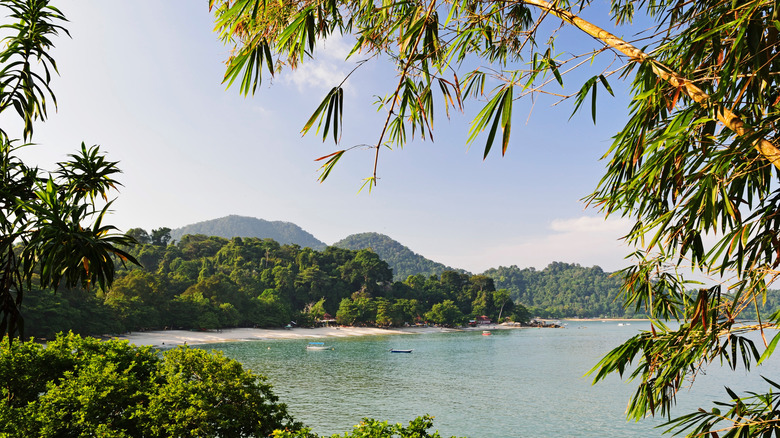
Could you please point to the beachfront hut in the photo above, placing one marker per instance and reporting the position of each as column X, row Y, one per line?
column 327, row 320
column 483, row 320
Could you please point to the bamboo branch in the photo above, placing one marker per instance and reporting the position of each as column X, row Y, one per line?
column 728, row 118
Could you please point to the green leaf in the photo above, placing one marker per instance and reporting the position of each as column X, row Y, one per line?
column 506, row 120
column 493, row 128
column 606, row 84
column 580, row 96
column 769, row 349
column 334, row 104
column 326, row 168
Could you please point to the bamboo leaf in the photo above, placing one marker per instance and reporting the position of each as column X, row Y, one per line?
column 330, row 109
column 769, row 349
column 580, row 97
column 606, row 84
column 329, row 164
column 493, row 129
column 506, row 119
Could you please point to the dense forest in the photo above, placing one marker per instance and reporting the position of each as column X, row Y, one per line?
column 207, row 282
column 401, row 259
column 563, row 290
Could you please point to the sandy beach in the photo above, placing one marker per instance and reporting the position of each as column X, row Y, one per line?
column 172, row 338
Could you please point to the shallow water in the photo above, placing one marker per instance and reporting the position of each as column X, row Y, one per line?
column 515, row 383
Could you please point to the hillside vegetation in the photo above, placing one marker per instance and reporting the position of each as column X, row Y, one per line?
column 232, row 226
column 207, row 282
column 563, row 290
column 402, row 260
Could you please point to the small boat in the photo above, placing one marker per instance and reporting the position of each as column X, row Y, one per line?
column 318, row 346
column 395, row 350
column 486, row 333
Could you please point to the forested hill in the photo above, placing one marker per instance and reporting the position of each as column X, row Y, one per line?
column 207, row 282
column 402, row 260
column 242, row 226
column 562, row 290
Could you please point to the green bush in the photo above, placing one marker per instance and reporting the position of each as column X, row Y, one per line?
column 369, row 428
column 78, row 387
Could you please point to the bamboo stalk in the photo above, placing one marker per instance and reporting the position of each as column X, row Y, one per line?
column 728, row 118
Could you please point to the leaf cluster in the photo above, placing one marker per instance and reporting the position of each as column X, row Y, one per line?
column 695, row 166
column 370, row 428
column 207, row 283
column 428, row 42
column 86, row 387
column 51, row 223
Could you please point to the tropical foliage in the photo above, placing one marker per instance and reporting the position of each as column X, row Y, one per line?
column 51, row 223
column 401, row 259
column 418, row 428
column 695, row 167
column 209, row 282
column 563, row 290
column 86, row 387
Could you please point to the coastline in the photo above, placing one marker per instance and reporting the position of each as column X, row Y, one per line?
column 601, row 319
column 173, row 338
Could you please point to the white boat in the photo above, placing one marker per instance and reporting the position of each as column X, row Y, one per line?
column 318, row 346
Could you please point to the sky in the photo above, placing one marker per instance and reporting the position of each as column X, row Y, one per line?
column 143, row 80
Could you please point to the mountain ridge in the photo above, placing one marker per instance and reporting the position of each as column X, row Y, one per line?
column 401, row 259
column 245, row 226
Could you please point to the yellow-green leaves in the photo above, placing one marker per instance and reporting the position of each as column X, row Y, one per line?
column 249, row 64
column 23, row 86
column 769, row 349
column 499, row 110
column 300, row 35
column 331, row 160
column 330, row 111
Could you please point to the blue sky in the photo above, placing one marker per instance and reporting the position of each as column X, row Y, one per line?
column 143, row 80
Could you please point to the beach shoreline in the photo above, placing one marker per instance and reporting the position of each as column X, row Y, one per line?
column 173, row 338
column 600, row 319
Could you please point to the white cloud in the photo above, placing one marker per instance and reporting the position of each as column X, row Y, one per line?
column 591, row 225
column 584, row 240
column 326, row 69
column 335, row 47
column 315, row 74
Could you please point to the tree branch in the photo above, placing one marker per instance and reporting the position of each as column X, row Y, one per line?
column 728, row 118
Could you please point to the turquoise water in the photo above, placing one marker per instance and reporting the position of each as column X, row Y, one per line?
column 515, row 383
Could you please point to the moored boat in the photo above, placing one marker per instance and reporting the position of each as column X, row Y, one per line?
column 318, row 346
column 395, row 350
column 486, row 333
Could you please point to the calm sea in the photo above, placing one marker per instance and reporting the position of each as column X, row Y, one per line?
column 515, row 383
